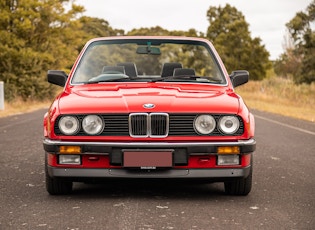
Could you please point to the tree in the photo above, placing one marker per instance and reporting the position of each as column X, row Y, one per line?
column 36, row 35
column 287, row 65
column 159, row 31
column 229, row 33
column 97, row 27
column 303, row 36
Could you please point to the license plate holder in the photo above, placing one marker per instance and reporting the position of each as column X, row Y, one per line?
column 148, row 159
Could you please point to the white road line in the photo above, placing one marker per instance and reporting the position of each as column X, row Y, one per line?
column 286, row 125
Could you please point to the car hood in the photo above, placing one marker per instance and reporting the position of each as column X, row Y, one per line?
column 130, row 98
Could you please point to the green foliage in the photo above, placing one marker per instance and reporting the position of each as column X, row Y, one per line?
column 96, row 27
column 229, row 33
column 153, row 31
column 35, row 36
column 38, row 35
column 302, row 53
column 159, row 31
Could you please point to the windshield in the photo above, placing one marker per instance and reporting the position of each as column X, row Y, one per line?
column 148, row 60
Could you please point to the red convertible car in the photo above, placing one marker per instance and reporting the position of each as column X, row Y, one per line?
column 148, row 107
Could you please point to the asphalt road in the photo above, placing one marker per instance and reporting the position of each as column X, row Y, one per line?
column 283, row 194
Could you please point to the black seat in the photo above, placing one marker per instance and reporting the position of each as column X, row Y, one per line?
column 113, row 70
column 168, row 68
column 184, row 72
column 130, row 68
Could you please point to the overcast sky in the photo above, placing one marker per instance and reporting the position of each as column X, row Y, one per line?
column 266, row 18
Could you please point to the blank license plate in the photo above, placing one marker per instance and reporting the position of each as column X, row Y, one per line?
column 148, row 159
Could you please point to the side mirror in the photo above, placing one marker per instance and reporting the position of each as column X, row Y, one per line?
column 57, row 77
column 239, row 77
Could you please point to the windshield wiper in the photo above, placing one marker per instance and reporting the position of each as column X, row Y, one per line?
column 183, row 77
column 189, row 77
column 108, row 78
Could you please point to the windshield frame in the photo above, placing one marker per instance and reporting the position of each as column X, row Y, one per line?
column 154, row 41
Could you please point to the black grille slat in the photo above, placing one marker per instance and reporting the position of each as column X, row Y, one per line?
column 115, row 125
column 182, row 125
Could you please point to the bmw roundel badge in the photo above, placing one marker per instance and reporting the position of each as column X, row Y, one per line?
column 148, row 106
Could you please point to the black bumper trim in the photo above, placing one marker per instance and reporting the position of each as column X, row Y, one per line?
column 246, row 146
column 79, row 173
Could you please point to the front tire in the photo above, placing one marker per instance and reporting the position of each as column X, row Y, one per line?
column 57, row 186
column 242, row 186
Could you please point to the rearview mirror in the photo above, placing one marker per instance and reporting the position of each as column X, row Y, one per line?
column 239, row 77
column 148, row 50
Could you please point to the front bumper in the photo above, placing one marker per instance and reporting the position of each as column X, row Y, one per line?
column 182, row 152
column 80, row 173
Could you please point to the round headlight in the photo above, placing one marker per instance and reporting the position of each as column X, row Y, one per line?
column 229, row 124
column 204, row 124
column 93, row 124
column 69, row 125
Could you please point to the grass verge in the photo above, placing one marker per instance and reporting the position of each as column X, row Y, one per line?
column 281, row 96
column 19, row 106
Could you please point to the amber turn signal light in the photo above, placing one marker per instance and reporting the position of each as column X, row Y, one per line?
column 228, row 150
column 69, row 149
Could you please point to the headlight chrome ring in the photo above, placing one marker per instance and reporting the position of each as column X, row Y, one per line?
column 204, row 124
column 229, row 124
column 69, row 125
column 93, row 124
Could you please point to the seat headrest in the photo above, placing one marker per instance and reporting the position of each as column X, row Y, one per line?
column 113, row 69
column 168, row 68
column 130, row 68
column 184, row 71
